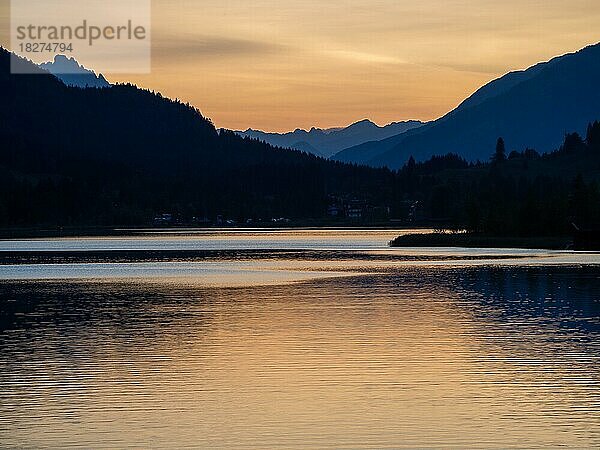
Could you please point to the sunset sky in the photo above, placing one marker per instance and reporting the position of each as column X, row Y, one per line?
column 280, row 64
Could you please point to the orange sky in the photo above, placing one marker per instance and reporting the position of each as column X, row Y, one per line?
column 282, row 64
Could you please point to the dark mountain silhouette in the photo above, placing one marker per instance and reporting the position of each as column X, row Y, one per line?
column 122, row 155
column 70, row 72
column 532, row 108
column 326, row 142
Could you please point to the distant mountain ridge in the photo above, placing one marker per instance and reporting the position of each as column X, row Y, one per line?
column 531, row 108
column 326, row 142
column 73, row 74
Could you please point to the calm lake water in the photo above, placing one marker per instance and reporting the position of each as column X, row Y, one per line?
column 258, row 338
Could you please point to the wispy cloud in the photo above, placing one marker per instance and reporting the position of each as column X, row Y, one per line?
column 199, row 46
column 364, row 57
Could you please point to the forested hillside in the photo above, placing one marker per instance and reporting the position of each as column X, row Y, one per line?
column 122, row 156
column 519, row 193
column 72, row 156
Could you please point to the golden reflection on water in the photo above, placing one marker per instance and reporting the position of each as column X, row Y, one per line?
column 502, row 357
column 218, row 239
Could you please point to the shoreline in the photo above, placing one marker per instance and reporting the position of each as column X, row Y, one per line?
column 125, row 231
column 467, row 240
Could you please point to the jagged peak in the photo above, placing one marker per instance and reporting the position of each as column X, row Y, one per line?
column 72, row 73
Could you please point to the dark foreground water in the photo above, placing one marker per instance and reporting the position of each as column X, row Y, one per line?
column 320, row 346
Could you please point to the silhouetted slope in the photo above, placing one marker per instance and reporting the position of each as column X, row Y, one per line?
column 534, row 108
column 505, row 83
column 305, row 147
column 363, row 153
column 121, row 155
column 331, row 141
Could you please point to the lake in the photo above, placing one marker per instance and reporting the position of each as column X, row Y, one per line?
column 295, row 338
